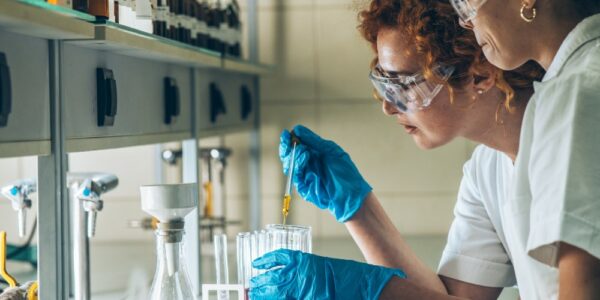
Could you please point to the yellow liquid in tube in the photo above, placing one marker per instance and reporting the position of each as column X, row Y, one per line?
column 286, row 207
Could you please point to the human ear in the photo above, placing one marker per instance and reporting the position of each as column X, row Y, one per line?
column 484, row 78
column 529, row 4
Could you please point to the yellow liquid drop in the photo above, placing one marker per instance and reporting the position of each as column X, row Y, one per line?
column 286, row 207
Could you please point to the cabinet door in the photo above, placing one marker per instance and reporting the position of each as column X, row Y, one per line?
column 140, row 93
column 25, row 77
column 238, row 96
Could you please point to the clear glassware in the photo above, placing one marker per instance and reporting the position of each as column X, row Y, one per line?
column 252, row 245
column 171, row 280
column 221, row 265
column 293, row 237
column 244, row 258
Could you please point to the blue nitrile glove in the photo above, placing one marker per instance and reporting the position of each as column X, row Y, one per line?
column 301, row 275
column 324, row 174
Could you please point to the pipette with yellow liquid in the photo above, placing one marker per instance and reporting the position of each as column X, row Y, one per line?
column 287, row 197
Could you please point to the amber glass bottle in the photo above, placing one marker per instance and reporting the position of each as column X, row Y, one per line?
column 99, row 8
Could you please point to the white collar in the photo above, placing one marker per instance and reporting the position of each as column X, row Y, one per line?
column 587, row 30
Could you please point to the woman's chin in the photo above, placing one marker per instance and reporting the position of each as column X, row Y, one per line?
column 426, row 144
column 503, row 62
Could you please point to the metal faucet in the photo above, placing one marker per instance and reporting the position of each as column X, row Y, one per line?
column 85, row 190
column 89, row 195
column 18, row 193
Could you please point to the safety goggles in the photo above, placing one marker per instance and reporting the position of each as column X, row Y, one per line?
column 467, row 9
column 408, row 93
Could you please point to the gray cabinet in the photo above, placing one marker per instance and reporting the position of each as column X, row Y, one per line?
column 226, row 101
column 140, row 99
column 26, row 112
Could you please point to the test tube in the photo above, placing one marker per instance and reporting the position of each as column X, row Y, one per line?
column 244, row 258
column 262, row 245
column 254, row 251
column 221, row 265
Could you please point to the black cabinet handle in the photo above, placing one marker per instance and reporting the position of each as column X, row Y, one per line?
column 111, row 110
column 217, row 103
column 106, row 97
column 172, row 101
column 246, row 102
column 5, row 91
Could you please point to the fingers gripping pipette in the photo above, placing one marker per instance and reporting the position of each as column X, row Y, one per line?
column 287, row 197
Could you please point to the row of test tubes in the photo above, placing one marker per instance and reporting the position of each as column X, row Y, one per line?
column 252, row 245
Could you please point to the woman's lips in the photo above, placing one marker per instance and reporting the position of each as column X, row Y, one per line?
column 410, row 129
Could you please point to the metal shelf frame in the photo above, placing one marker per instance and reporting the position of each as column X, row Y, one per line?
column 59, row 26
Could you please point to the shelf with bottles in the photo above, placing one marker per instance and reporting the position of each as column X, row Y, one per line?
column 125, row 40
column 121, row 39
column 202, row 37
column 192, row 32
column 41, row 19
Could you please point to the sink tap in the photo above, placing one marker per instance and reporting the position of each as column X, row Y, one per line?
column 85, row 191
column 91, row 204
column 18, row 193
column 89, row 192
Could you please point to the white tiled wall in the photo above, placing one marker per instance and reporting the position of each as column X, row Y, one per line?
column 342, row 57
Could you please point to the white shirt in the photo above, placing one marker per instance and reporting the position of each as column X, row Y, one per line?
column 509, row 220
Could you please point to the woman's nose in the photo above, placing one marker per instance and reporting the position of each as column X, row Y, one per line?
column 389, row 108
column 465, row 24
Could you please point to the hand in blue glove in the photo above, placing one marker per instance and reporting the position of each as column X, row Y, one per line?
column 324, row 174
column 301, row 275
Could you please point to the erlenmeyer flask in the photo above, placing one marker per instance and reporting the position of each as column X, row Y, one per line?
column 171, row 280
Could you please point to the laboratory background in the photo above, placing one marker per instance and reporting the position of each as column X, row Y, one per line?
column 100, row 98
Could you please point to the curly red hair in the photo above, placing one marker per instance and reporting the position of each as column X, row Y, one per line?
column 438, row 38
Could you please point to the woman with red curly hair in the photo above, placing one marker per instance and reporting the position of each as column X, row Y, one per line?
column 429, row 74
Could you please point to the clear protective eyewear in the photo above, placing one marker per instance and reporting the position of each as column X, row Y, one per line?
column 409, row 93
column 467, row 9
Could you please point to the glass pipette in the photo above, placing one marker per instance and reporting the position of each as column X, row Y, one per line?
column 287, row 197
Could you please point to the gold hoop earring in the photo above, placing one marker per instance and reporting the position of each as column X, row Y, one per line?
column 527, row 19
